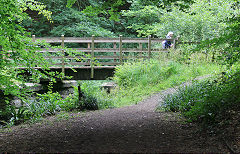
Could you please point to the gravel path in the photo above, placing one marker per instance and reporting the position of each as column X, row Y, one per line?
column 137, row 128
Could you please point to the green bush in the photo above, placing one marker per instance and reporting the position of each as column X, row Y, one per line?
column 94, row 97
column 45, row 104
column 50, row 103
column 204, row 101
column 144, row 72
column 138, row 79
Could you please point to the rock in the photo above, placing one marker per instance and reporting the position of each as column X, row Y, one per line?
column 108, row 86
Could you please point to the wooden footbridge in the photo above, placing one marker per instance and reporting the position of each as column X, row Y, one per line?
column 97, row 57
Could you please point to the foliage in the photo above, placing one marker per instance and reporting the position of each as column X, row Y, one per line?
column 49, row 103
column 93, row 97
column 24, row 5
column 216, row 22
column 227, row 45
column 68, row 22
column 143, row 20
column 148, row 72
column 45, row 104
column 82, row 27
column 203, row 20
column 106, row 8
column 17, row 50
column 112, row 9
column 139, row 79
column 203, row 101
column 90, row 17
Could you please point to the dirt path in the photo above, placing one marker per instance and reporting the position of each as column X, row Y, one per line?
column 136, row 128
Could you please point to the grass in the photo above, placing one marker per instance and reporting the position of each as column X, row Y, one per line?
column 207, row 100
column 138, row 80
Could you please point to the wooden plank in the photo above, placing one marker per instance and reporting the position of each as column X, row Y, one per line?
column 79, row 57
column 120, row 48
column 92, row 56
column 134, row 57
column 72, row 63
column 107, row 57
column 62, row 44
column 96, row 57
column 99, row 40
column 86, row 63
column 189, row 42
column 174, row 44
column 149, row 46
column 50, row 39
column 109, row 63
column 140, row 48
column 67, row 67
column 115, row 48
column 33, row 38
column 159, row 40
column 103, row 50
column 163, row 50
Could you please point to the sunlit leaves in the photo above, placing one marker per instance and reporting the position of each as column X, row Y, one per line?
column 203, row 20
column 70, row 3
column 34, row 6
column 17, row 49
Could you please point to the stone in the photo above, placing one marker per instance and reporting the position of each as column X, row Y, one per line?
column 108, row 86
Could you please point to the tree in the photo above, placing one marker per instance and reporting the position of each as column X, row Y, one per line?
column 227, row 45
column 17, row 48
column 68, row 21
column 204, row 19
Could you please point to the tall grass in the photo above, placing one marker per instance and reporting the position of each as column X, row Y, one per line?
column 138, row 79
column 94, row 97
column 135, row 81
column 204, row 101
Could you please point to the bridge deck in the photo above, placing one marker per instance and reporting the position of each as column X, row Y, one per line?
column 92, row 62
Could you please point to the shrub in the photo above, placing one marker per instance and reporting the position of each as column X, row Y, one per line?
column 45, row 104
column 144, row 72
column 203, row 101
column 94, row 97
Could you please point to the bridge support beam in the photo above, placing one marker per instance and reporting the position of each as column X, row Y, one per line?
column 85, row 73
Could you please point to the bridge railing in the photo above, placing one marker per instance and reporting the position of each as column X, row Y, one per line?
column 100, row 57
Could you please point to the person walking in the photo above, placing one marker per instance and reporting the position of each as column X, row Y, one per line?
column 167, row 43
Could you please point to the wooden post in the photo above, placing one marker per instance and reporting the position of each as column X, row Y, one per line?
column 140, row 48
column 176, row 42
column 149, row 46
column 33, row 38
column 115, row 54
column 92, row 56
column 89, row 46
column 120, row 49
column 63, row 63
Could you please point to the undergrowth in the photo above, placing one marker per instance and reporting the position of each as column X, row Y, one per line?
column 94, row 97
column 204, row 101
column 33, row 110
column 136, row 80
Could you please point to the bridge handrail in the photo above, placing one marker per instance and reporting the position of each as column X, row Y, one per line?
column 99, row 40
column 118, row 53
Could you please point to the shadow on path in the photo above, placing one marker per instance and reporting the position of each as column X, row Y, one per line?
column 136, row 128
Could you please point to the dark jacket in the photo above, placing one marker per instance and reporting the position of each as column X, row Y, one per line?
column 166, row 43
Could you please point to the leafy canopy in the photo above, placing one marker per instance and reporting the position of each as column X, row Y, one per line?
column 17, row 50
